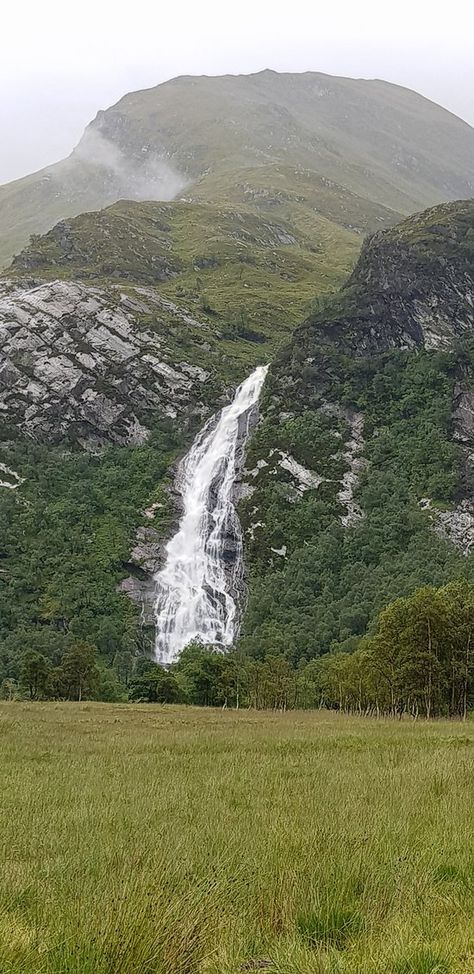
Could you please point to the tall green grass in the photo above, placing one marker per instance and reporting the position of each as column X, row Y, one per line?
column 148, row 840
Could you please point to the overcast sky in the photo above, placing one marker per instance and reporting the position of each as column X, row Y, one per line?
column 61, row 62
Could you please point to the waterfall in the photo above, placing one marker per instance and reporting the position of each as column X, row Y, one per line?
column 196, row 590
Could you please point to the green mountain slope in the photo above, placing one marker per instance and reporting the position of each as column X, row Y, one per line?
column 360, row 483
column 349, row 145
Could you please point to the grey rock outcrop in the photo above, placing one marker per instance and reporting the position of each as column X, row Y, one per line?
column 356, row 464
column 456, row 526
column 76, row 365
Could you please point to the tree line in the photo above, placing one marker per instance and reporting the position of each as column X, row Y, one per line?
column 418, row 661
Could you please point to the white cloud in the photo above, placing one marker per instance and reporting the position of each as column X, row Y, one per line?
column 155, row 179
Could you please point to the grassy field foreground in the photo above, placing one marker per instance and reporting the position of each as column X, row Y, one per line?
column 148, row 840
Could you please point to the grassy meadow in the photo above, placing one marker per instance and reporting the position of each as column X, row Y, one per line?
column 158, row 840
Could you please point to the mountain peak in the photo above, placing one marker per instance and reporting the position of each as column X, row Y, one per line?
column 377, row 141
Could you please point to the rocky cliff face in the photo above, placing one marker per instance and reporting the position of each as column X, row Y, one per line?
column 80, row 366
column 412, row 289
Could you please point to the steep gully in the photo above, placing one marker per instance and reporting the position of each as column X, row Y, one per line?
column 198, row 587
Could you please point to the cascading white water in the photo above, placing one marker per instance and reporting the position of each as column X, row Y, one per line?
column 194, row 590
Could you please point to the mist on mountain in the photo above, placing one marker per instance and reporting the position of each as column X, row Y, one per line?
column 147, row 178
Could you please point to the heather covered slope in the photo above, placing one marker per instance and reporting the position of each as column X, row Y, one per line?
column 240, row 269
column 306, row 142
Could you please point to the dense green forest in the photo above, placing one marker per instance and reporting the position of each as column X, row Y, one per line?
column 65, row 540
column 334, row 580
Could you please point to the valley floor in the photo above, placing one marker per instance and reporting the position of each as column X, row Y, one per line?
column 158, row 840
